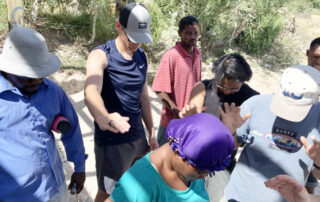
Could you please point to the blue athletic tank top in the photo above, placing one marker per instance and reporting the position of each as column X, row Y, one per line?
column 123, row 82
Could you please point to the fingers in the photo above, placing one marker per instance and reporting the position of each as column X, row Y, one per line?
column 312, row 150
column 119, row 125
column 113, row 122
column 153, row 144
column 79, row 188
column 70, row 185
column 77, row 182
column 246, row 116
column 277, row 182
column 189, row 109
column 226, row 107
column 304, row 141
column 204, row 108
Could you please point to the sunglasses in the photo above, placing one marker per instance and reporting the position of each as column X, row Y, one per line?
column 24, row 78
column 234, row 90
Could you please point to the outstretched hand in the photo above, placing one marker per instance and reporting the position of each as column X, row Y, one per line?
column 289, row 188
column 114, row 122
column 312, row 150
column 231, row 116
column 190, row 109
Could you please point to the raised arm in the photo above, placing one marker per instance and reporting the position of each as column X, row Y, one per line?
column 95, row 66
column 166, row 101
column 196, row 101
column 313, row 151
column 232, row 119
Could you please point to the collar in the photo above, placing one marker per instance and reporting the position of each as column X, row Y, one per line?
column 5, row 85
column 184, row 53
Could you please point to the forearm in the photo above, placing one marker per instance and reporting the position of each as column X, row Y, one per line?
column 94, row 102
column 147, row 116
column 166, row 100
column 146, row 110
column 72, row 140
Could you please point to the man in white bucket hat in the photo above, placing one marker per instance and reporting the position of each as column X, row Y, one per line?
column 30, row 166
column 278, row 136
column 116, row 94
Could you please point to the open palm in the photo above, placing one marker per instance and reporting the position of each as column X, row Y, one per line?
column 289, row 188
column 231, row 117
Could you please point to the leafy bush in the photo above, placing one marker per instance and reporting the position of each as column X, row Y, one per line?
column 315, row 3
column 105, row 27
column 263, row 27
column 3, row 17
column 260, row 33
column 74, row 25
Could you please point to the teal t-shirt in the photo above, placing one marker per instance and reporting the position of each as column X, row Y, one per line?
column 142, row 183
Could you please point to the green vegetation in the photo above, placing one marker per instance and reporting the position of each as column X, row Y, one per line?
column 3, row 17
column 250, row 26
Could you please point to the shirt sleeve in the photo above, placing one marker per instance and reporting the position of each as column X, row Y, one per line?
column 72, row 140
column 163, row 77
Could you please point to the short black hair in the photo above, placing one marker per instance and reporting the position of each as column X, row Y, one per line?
column 187, row 20
column 315, row 42
column 232, row 66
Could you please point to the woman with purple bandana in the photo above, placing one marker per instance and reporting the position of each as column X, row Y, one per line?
column 199, row 144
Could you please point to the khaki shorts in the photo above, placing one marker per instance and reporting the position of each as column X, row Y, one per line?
column 113, row 160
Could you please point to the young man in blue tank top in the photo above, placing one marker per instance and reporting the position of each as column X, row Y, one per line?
column 116, row 95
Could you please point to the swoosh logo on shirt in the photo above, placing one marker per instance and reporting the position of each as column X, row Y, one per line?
column 141, row 66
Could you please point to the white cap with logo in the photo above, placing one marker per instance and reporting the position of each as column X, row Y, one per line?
column 298, row 91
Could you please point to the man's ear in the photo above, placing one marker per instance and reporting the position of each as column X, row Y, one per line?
column 307, row 52
column 118, row 25
column 179, row 33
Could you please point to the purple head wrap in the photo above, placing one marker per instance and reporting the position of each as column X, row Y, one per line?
column 203, row 140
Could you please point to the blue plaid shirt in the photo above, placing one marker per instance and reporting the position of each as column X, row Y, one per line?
column 30, row 166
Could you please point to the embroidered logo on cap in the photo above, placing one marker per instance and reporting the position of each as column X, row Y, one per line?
column 292, row 95
column 142, row 25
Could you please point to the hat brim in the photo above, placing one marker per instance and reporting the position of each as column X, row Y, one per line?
column 282, row 109
column 139, row 37
column 52, row 65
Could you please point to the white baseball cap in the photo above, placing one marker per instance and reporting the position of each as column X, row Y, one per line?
column 298, row 91
column 135, row 19
column 25, row 53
